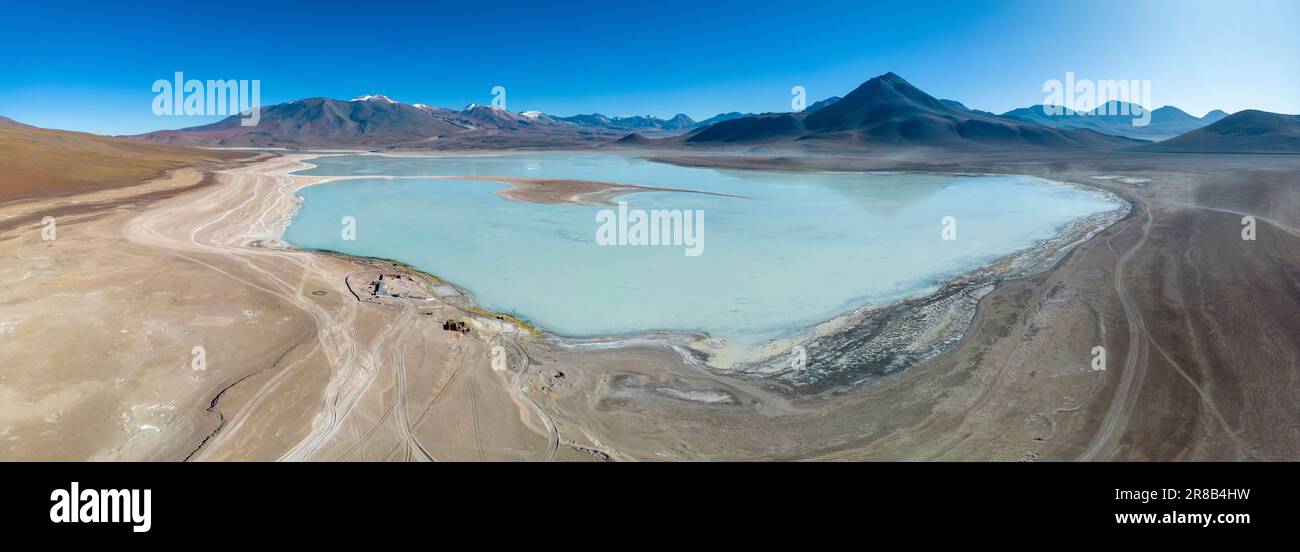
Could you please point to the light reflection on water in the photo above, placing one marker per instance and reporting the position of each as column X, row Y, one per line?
column 798, row 249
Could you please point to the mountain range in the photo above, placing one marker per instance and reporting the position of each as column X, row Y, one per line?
column 885, row 111
column 889, row 111
column 636, row 122
column 1119, row 119
column 370, row 121
column 375, row 120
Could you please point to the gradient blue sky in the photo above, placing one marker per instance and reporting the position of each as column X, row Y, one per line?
column 89, row 66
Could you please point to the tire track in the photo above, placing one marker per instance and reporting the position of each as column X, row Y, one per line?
column 1135, row 362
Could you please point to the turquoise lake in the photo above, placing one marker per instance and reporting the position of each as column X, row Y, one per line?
column 797, row 249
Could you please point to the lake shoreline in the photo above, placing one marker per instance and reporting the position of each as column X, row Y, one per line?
column 300, row 369
column 898, row 333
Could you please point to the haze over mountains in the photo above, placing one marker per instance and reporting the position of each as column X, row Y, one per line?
column 1117, row 118
column 885, row 111
column 635, row 122
column 1249, row 131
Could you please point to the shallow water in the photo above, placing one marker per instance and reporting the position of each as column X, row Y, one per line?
column 797, row 249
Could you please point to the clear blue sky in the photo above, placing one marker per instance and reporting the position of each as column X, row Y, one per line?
column 89, row 66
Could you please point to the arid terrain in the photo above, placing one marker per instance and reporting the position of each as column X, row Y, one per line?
column 102, row 324
column 1199, row 327
column 41, row 162
column 166, row 320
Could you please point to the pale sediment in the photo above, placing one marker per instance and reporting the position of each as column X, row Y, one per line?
column 857, row 347
column 877, row 341
column 549, row 191
column 1015, row 385
column 873, row 341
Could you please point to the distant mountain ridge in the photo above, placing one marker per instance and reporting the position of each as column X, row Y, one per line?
column 722, row 117
column 1249, row 131
column 636, row 122
column 324, row 122
column 885, row 111
column 818, row 105
column 375, row 120
column 889, row 111
column 648, row 122
column 1117, row 118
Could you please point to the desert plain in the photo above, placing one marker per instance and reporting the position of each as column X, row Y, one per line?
column 166, row 319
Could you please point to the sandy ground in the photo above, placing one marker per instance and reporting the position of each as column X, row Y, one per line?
column 99, row 328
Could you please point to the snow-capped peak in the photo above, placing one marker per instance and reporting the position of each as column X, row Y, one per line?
column 373, row 98
column 532, row 114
